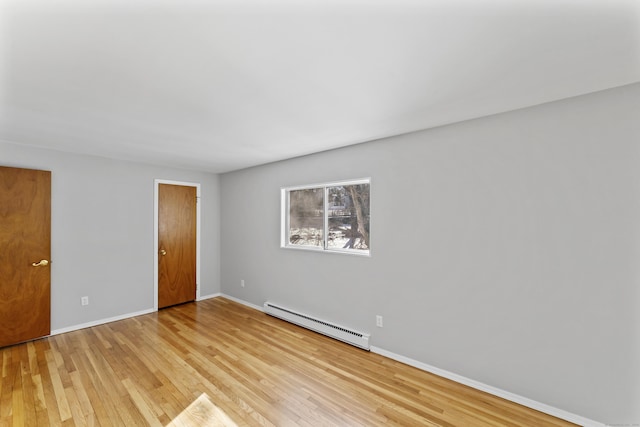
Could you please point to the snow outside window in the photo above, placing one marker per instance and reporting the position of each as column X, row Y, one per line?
column 327, row 217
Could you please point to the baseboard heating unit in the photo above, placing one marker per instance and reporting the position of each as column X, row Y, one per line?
column 358, row 339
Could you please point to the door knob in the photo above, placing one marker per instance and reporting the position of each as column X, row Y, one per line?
column 42, row 263
column 163, row 252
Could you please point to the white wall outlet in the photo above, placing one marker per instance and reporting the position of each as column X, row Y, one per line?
column 379, row 321
column 242, row 283
column 84, row 300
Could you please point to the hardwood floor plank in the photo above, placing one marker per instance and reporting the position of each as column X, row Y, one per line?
column 50, row 403
column 33, row 358
column 83, row 399
column 17, row 397
column 143, row 406
column 217, row 362
column 99, row 407
column 58, row 389
column 6, row 389
column 38, row 393
column 75, row 407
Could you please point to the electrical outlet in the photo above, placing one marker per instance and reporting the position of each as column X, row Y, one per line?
column 379, row 321
column 84, row 300
column 242, row 283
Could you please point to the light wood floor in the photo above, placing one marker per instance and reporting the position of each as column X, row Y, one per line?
column 217, row 362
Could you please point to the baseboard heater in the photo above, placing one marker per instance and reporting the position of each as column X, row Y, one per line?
column 358, row 339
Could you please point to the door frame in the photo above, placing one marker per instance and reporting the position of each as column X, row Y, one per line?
column 157, row 183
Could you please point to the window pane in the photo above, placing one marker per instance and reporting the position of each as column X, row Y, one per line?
column 306, row 217
column 348, row 207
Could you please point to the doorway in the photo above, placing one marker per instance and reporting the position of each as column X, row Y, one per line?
column 25, row 250
column 177, row 243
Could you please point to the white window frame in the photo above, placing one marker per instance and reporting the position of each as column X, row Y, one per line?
column 284, row 217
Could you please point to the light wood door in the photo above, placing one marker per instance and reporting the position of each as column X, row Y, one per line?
column 25, row 248
column 176, row 244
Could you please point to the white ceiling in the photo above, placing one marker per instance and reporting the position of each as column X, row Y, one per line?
column 222, row 85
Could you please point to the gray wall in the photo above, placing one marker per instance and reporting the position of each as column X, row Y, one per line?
column 504, row 249
column 102, row 232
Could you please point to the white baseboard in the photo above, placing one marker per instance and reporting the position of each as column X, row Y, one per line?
column 100, row 322
column 116, row 318
column 529, row 403
column 202, row 298
column 243, row 302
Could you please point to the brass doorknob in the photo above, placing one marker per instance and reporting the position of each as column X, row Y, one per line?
column 163, row 252
column 42, row 263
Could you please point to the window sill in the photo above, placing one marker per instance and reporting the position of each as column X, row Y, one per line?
column 329, row 251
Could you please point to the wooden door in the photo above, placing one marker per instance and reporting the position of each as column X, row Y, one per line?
column 176, row 244
column 25, row 249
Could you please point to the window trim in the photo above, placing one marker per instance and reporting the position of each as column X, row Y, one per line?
column 284, row 217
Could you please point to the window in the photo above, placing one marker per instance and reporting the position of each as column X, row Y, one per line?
column 327, row 217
